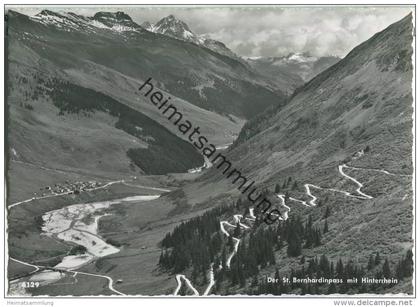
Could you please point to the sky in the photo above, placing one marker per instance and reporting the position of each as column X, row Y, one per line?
column 271, row 30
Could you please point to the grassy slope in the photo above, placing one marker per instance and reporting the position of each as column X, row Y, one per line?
column 88, row 145
column 363, row 100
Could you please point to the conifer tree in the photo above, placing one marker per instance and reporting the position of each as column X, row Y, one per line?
column 386, row 271
column 371, row 263
column 224, row 259
column 339, row 270
column 327, row 212
column 277, row 274
column 238, row 203
column 284, row 185
column 317, row 237
column 332, row 289
column 237, row 231
column 161, row 257
column 377, row 259
column 294, row 247
column 408, row 264
column 326, row 226
column 230, row 242
column 324, row 265
column 332, row 269
column 183, row 290
column 309, row 223
column 241, row 277
column 254, row 282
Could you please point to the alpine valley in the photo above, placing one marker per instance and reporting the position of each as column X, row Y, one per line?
column 106, row 197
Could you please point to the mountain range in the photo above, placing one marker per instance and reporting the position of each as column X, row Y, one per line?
column 283, row 73
column 109, row 54
column 327, row 140
column 291, row 71
column 53, row 57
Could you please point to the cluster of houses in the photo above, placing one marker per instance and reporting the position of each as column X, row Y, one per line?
column 70, row 187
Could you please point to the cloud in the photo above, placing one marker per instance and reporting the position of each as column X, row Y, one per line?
column 273, row 30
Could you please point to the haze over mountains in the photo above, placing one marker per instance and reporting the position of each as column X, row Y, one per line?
column 328, row 140
column 284, row 73
column 291, row 71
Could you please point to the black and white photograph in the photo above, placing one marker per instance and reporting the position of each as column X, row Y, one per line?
column 209, row 150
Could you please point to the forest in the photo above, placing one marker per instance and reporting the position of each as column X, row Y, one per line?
column 165, row 152
column 197, row 244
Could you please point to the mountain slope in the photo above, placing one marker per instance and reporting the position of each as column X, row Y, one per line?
column 109, row 56
column 188, row 71
column 57, row 122
column 62, row 125
column 348, row 130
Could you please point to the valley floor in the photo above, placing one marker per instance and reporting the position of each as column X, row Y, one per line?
column 120, row 231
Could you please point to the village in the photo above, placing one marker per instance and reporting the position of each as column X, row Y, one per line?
column 68, row 187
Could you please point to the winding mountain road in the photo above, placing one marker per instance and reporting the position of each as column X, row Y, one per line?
column 212, row 282
column 187, row 281
column 237, row 218
column 40, row 267
column 37, row 267
column 313, row 198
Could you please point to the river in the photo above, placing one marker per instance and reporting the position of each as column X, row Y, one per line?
column 76, row 224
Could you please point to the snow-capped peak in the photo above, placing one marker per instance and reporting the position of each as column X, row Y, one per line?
column 147, row 25
column 118, row 21
column 173, row 27
column 301, row 57
column 67, row 21
column 117, row 16
column 252, row 58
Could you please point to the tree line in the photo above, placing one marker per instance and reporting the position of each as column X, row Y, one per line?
column 339, row 270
